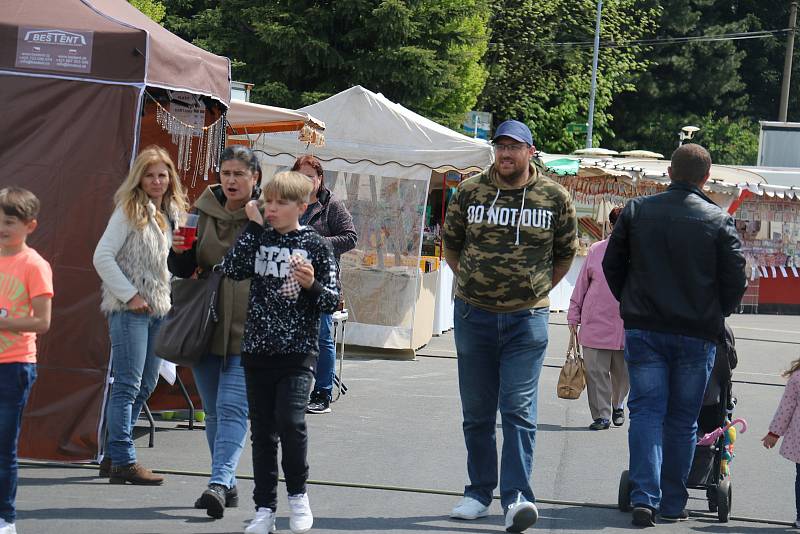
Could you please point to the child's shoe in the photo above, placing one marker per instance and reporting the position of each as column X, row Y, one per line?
column 7, row 528
column 262, row 523
column 300, row 518
column 797, row 524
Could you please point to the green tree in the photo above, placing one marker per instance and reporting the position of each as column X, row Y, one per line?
column 424, row 54
column 152, row 8
column 547, row 85
column 725, row 87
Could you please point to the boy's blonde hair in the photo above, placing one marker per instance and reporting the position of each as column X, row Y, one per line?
column 134, row 200
column 289, row 185
column 20, row 203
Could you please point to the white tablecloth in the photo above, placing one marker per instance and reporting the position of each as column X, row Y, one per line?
column 443, row 314
column 560, row 295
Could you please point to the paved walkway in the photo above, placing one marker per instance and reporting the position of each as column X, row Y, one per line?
column 390, row 458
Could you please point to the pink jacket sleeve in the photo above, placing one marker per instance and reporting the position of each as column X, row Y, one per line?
column 579, row 293
column 787, row 406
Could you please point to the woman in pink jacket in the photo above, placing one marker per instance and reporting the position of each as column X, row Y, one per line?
column 594, row 309
column 786, row 424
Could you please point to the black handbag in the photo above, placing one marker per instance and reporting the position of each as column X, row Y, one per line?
column 186, row 331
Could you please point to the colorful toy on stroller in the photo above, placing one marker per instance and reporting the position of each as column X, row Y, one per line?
column 716, row 429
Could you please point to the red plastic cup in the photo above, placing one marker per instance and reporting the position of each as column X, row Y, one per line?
column 188, row 229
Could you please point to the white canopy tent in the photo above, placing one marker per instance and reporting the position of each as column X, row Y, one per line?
column 378, row 158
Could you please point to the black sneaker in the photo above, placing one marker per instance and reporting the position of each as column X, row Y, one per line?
column 618, row 417
column 643, row 516
column 683, row 515
column 319, row 402
column 231, row 499
column 600, row 424
column 213, row 500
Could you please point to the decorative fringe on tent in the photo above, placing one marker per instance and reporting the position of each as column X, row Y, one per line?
column 211, row 142
column 311, row 136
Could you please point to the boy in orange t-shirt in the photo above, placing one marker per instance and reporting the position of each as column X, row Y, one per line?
column 26, row 292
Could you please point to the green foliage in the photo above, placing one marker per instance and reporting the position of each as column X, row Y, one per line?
column 425, row 54
column 152, row 8
column 548, row 86
column 725, row 87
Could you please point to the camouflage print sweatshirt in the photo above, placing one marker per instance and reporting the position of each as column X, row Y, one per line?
column 507, row 240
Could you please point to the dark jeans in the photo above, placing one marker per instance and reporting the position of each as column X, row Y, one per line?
column 16, row 380
column 500, row 358
column 668, row 374
column 278, row 400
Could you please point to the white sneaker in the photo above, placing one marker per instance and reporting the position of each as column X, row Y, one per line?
column 300, row 516
column 7, row 528
column 469, row 508
column 521, row 515
column 262, row 523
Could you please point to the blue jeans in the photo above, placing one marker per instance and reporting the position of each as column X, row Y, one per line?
column 668, row 375
column 500, row 358
column 135, row 367
column 222, row 389
column 17, row 380
column 326, row 362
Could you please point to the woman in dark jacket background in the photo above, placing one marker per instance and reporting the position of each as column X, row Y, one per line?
column 328, row 216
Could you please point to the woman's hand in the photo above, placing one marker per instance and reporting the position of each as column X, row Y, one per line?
column 138, row 305
column 769, row 440
column 573, row 329
column 304, row 274
column 177, row 242
column 253, row 212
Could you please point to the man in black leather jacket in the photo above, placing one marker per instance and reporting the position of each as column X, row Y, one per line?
column 674, row 262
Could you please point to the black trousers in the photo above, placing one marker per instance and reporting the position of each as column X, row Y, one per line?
column 278, row 400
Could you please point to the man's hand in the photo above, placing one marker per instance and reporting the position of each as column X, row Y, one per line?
column 253, row 212
column 304, row 274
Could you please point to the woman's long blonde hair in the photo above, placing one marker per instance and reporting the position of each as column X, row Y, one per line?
column 132, row 198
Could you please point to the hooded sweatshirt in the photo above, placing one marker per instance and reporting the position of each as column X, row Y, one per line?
column 507, row 240
column 217, row 230
column 282, row 332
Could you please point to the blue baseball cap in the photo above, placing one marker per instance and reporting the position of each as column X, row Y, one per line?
column 516, row 130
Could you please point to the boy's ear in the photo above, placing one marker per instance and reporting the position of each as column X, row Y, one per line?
column 32, row 224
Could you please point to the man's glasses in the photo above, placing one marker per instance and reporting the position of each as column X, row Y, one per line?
column 511, row 147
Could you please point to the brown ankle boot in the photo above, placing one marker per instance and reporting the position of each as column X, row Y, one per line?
column 134, row 474
column 105, row 467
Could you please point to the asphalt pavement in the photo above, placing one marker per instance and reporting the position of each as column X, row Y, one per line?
column 390, row 458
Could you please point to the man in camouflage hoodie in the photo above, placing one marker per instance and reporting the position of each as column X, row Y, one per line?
column 509, row 235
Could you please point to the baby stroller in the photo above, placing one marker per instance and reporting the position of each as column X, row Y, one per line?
column 710, row 469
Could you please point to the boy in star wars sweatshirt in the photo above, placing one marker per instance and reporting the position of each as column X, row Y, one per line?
column 293, row 274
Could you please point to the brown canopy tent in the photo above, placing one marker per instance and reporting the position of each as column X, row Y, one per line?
column 81, row 82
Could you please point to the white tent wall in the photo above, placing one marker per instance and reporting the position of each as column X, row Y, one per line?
column 381, row 279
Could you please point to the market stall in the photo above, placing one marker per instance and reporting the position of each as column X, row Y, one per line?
column 91, row 81
column 378, row 158
column 600, row 183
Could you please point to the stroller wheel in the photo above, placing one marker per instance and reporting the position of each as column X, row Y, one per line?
column 724, row 500
column 624, row 496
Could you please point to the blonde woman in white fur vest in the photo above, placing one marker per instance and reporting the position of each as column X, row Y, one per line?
column 131, row 259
